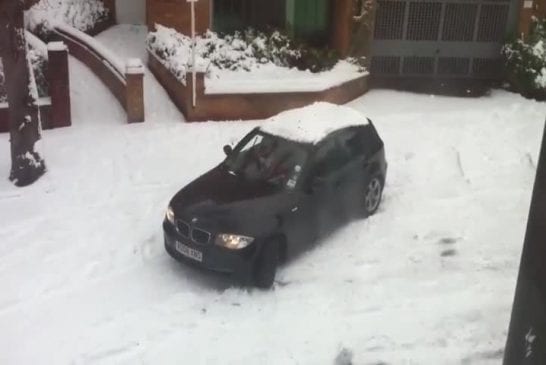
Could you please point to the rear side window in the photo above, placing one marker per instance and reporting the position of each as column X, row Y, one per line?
column 358, row 141
column 330, row 157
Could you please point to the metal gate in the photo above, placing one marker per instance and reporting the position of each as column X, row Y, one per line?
column 441, row 38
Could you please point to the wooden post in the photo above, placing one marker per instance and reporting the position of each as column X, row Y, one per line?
column 134, row 99
column 59, row 85
column 526, row 343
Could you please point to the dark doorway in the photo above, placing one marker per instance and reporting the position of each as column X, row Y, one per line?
column 232, row 15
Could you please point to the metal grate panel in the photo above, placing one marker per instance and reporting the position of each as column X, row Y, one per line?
column 389, row 21
column 453, row 66
column 493, row 19
column 487, row 67
column 424, row 21
column 418, row 65
column 459, row 22
column 385, row 65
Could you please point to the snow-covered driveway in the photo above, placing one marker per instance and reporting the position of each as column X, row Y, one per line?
column 429, row 280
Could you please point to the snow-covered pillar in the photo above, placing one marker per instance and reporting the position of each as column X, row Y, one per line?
column 134, row 76
column 59, row 85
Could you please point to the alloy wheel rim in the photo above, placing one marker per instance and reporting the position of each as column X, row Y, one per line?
column 373, row 195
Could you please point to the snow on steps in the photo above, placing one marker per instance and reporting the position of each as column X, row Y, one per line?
column 123, row 78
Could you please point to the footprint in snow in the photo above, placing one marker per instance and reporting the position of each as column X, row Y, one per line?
column 345, row 357
column 448, row 241
column 448, row 253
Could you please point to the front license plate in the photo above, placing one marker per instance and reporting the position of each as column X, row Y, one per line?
column 189, row 252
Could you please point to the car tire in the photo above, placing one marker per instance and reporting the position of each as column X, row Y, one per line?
column 372, row 196
column 266, row 265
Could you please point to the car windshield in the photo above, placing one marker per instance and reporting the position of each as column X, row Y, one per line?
column 264, row 157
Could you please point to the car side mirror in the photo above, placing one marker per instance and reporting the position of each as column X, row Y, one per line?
column 228, row 150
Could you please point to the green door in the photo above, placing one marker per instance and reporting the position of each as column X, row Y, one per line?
column 308, row 19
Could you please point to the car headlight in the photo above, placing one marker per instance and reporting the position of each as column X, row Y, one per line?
column 169, row 215
column 233, row 241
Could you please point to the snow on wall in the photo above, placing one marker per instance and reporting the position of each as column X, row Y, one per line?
column 37, row 44
column 113, row 59
column 80, row 14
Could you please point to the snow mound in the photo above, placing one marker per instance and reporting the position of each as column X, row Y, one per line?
column 312, row 123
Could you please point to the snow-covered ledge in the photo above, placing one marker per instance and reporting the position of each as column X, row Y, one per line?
column 124, row 78
column 249, row 105
column 274, row 79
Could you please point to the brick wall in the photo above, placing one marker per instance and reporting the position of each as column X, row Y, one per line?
column 177, row 14
column 245, row 106
column 530, row 9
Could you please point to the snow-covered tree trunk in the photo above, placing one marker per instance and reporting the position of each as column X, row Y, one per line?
column 26, row 164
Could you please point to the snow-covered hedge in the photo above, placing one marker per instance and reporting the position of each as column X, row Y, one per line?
column 526, row 62
column 3, row 96
column 80, row 14
column 247, row 50
column 39, row 65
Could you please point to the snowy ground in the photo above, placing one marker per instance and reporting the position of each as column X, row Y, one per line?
column 428, row 280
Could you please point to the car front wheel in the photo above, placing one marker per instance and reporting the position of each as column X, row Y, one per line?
column 373, row 194
column 266, row 265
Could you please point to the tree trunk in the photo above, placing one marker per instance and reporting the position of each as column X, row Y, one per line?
column 26, row 164
column 363, row 24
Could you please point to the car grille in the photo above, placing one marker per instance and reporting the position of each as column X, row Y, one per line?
column 197, row 235
column 200, row 236
column 183, row 228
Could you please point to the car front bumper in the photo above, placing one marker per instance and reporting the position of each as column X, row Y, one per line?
column 238, row 263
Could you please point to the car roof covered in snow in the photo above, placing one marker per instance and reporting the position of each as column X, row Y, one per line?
column 312, row 123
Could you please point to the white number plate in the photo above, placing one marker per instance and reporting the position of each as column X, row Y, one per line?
column 189, row 252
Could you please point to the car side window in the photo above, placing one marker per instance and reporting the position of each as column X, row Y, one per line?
column 355, row 141
column 330, row 157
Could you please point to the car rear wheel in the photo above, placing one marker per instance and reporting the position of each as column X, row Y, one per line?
column 266, row 265
column 372, row 197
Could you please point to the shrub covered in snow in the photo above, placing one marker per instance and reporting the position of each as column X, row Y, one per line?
column 246, row 50
column 80, row 14
column 3, row 96
column 39, row 65
column 526, row 62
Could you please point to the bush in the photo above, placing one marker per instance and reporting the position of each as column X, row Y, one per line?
column 39, row 65
column 525, row 62
column 242, row 50
column 80, row 14
column 3, row 95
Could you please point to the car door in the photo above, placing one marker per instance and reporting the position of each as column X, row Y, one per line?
column 354, row 175
column 327, row 179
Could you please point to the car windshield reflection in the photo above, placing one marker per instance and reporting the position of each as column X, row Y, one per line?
column 266, row 158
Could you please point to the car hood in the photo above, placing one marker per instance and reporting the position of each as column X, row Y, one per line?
column 220, row 200
column 219, row 187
